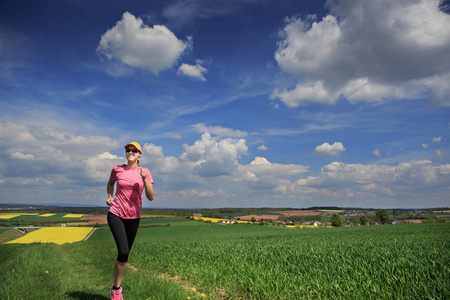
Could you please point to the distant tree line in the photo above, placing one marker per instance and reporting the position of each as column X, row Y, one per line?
column 381, row 217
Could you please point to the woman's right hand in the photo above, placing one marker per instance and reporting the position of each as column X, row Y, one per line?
column 110, row 201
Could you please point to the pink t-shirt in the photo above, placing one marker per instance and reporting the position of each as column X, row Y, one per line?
column 128, row 200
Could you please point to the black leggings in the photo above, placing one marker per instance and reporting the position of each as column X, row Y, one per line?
column 124, row 232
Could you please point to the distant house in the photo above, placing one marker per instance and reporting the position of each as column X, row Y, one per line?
column 227, row 222
column 197, row 215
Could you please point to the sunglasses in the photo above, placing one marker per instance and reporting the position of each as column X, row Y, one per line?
column 132, row 150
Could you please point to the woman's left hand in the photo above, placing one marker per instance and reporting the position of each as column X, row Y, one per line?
column 143, row 174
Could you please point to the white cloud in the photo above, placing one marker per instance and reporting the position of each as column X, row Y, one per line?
column 415, row 176
column 304, row 94
column 214, row 162
column 53, row 165
column 196, row 71
column 273, row 178
column 326, row 149
column 154, row 156
column 50, row 152
column 261, row 166
column 219, row 130
column 99, row 166
column 437, row 139
column 440, row 154
column 172, row 135
column 263, row 147
column 18, row 155
column 197, row 193
column 376, row 152
column 419, row 173
column 214, row 158
column 140, row 46
column 401, row 51
column 35, row 181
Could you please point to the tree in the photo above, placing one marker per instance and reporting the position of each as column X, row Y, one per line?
column 383, row 216
column 434, row 220
column 363, row 220
column 215, row 215
column 336, row 220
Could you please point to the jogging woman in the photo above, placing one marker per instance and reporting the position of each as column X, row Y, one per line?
column 125, row 208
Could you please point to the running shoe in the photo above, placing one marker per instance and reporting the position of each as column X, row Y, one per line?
column 116, row 294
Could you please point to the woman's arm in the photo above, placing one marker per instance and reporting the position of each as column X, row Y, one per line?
column 149, row 193
column 110, row 191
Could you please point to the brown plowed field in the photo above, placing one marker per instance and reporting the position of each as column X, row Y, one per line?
column 93, row 219
column 414, row 221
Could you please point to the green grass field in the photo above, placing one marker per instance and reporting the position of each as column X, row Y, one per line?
column 408, row 261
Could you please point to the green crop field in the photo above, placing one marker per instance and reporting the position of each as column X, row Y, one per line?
column 405, row 261
column 37, row 220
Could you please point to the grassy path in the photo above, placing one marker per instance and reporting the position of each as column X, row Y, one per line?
column 81, row 270
column 49, row 271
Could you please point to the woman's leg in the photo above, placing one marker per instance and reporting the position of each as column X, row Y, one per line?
column 119, row 272
column 124, row 232
column 131, row 228
column 119, row 233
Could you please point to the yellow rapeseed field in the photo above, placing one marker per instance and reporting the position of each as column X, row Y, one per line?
column 46, row 215
column 213, row 220
column 73, row 216
column 57, row 235
column 243, row 222
column 13, row 215
column 8, row 216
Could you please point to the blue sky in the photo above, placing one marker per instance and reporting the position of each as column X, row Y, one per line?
column 238, row 103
